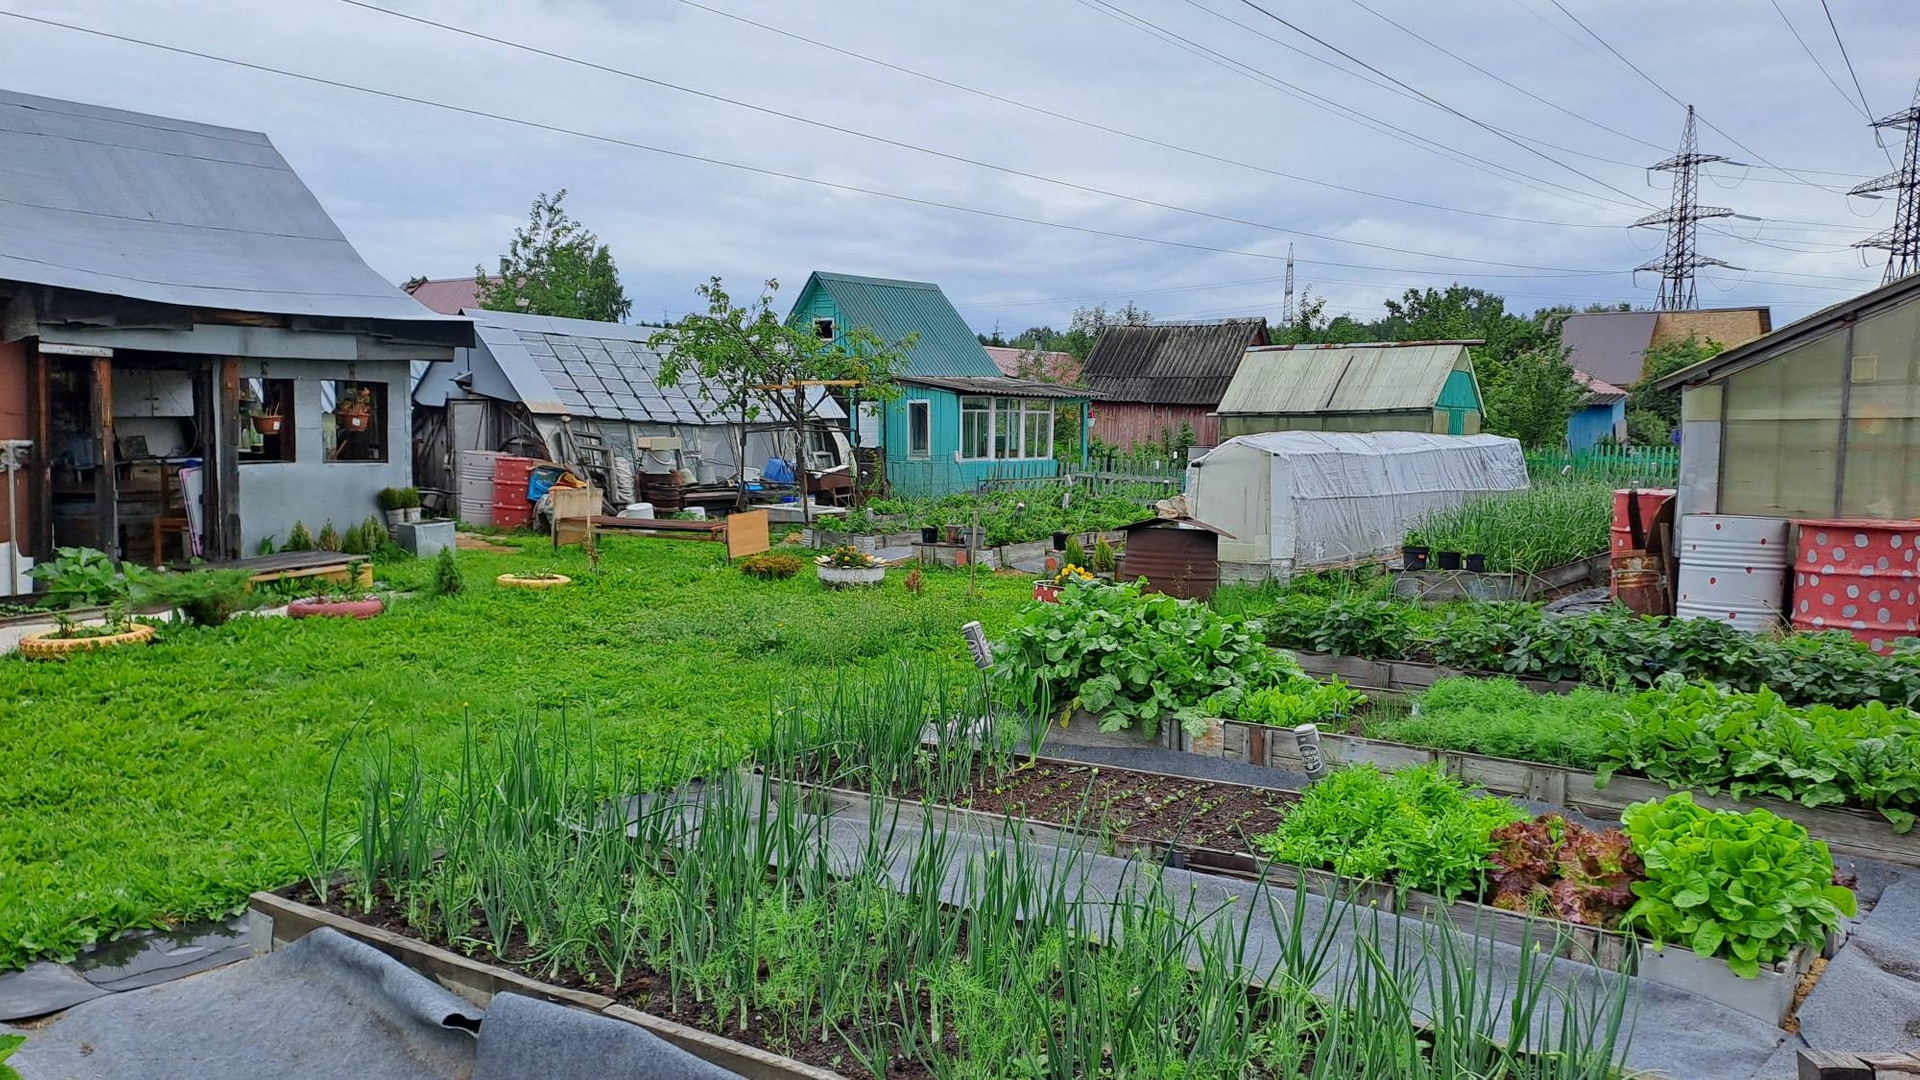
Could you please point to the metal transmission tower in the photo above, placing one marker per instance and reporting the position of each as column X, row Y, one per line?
column 1902, row 240
column 1286, row 306
column 1682, row 220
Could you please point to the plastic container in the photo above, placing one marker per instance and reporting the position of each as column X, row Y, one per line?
column 640, row 510
column 1861, row 576
column 1733, row 569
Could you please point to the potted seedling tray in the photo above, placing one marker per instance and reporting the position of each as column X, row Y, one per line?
column 1586, row 944
column 289, row 920
column 1851, row 832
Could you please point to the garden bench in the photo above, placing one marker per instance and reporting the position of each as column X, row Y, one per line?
column 744, row 533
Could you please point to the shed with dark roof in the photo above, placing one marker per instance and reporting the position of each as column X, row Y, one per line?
column 1156, row 379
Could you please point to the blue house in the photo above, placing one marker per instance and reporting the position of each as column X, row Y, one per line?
column 959, row 421
column 1602, row 413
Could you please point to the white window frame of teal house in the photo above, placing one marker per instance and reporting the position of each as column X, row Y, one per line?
column 920, row 448
column 1005, row 429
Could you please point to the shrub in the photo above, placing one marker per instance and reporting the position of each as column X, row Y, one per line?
column 392, row 498
column 1104, row 561
column 1418, row 828
column 298, row 538
column 329, row 539
column 1746, row 744
column 366, row 538
column 769, row 566
column 1130, row 657
column 1074, row 554
column 1745, row 887
column 204, row 597
column 446, row 574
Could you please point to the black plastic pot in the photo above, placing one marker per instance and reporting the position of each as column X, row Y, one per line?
column 1449, row 560
column 1413, row 558
column 1477, row 563
column 929, row 534
column 1059, row 541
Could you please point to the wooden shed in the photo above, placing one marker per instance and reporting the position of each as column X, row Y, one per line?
column 1177, row 556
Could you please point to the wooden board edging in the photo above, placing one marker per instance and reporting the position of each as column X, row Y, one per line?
column 1408, row 676
column 479, row 982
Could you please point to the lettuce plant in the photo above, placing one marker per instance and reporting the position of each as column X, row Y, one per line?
column 1744, row 887
column 1554, row 865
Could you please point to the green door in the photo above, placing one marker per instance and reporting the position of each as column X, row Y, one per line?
column 1456, row 421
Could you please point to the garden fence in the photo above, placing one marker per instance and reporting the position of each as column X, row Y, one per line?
column 1645, row 465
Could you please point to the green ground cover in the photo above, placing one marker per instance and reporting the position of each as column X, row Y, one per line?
column 156, row 784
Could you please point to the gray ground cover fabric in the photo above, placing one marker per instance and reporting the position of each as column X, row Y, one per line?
column 1869, row 997
column 327, row 1006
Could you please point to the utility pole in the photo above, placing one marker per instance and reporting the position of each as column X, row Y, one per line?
column 1682, row 218
column 1902, row 239
column 1286, row 306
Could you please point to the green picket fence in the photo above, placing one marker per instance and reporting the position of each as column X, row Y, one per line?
column 1644, row 465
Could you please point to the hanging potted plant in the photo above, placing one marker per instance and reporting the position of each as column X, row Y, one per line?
column 847, row 565
column 355, row 410
column 268, row 420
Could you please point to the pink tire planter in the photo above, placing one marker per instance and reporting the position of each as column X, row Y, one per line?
column 313, row 608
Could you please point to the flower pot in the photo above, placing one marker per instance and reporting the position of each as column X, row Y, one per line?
column 842, row 577
column 412, row 514
column 46, row 645
column 1059, row 541
column 532, row 581
column 352, row 421
column 953, row 534
column 1477, row 563
column 1413, row 558
column 395, row 517
column 929, row 535
column 268, row 425
column 1046, row 592
column 314, row 607
column 1449, row 560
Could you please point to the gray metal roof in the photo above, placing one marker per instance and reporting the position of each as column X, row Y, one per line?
column 124, row 204
column 1171, row 363
column 1000, row 386
column 1609, row 345
column 1281, row 379
column 605, row 371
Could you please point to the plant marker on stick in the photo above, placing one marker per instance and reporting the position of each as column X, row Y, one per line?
column 1306, row 738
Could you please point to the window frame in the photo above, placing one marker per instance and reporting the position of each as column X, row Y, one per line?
column 973, row 406
column 920, row 448
column 825, row 323
column 287, row 445
column 330, row 433
column 1004, row 423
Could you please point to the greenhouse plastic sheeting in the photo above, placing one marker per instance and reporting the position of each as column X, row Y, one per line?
column 1299, row 499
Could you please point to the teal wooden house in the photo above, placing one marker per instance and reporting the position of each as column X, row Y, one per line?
column 959, row 421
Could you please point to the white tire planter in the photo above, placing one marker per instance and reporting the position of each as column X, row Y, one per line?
column 845, row 577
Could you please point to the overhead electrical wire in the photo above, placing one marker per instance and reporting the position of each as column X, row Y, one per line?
column 1831, row 81
column 1848, row 59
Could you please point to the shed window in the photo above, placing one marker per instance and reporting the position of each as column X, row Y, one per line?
column 1781, row 444
column 266, row 420
column 353, row 420
column 823, row 329
column 920, row 429
column 1882, row 471
column 1019, row 429
column 976, row 425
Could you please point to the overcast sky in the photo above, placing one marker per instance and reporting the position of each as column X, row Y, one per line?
column 421, row 189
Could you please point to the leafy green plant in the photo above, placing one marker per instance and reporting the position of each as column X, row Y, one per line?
column 1131, row 657
column 1554, row 865
column 848, row 557
column 204, row 597
column 397, row 498
column 1744, row 887
column 1500, row 718
column 1524, row 531
column 84, row 577
column 1418, row 828
column 771, row 565
column 1294, row 700
column 298, row 538
column 1746, row 744
column 446, row 574
column 366, row 538
column 8, row 1044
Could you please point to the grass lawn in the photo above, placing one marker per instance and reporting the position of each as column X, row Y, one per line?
column 143, row 786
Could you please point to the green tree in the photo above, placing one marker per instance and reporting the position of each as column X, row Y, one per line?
column 1087, row 324
column 555, row 266
column 749, row 362
column 1530, row 396
column 1038, row 337
column 1653, row 414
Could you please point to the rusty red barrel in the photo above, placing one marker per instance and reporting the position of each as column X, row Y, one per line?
column 1622, row 545
column 1859, row 575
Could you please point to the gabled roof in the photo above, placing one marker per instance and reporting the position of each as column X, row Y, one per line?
column 1171, row 363
column 1381, row 377
column 448, row 296
column 605, row 371
column 1609, row 345
column 893, row 309
column 1061, row 367
column 1599, row 391
column 142, row 207
column 1819, row 324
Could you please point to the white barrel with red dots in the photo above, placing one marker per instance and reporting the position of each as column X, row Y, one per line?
column 1733, row 569
column 1861, row 576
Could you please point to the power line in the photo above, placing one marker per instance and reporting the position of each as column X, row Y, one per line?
column 1831, row 25
column 1795, row 31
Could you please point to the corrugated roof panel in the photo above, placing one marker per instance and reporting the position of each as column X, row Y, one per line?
column 893, row 309
column 1368, row 378
column 1171, row 363
column 127, row 204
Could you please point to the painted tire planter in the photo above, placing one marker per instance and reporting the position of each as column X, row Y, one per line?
column 1046, row 592
column 46, row 646
column 844, row 577
column 312, row 608
column 532, row 581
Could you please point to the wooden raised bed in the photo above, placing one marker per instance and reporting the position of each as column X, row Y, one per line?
column 478, row 982
column 1851, row 832
column 1467, row 585
column 1406, row 676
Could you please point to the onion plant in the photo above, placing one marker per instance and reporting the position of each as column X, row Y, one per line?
column 1524, row 531
column 910, row 939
